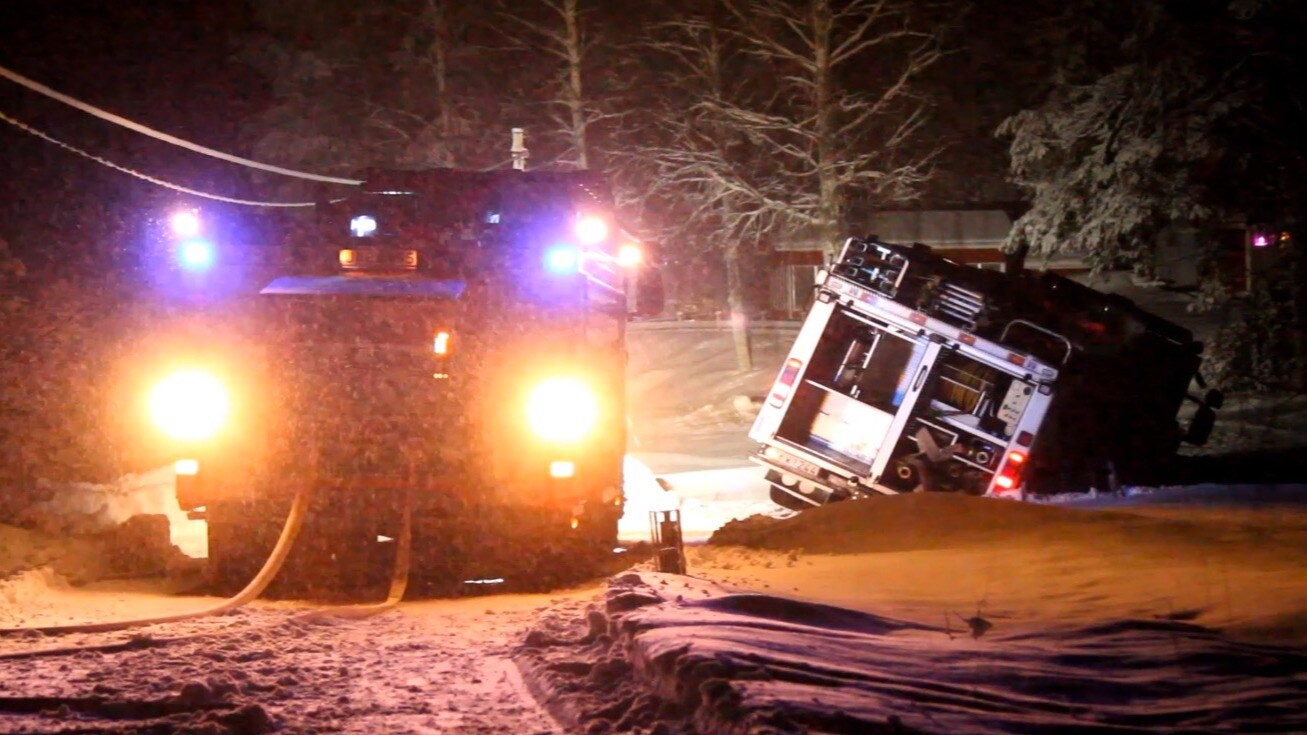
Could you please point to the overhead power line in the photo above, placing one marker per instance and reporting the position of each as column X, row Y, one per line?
column 157, row 135
column 144, row 177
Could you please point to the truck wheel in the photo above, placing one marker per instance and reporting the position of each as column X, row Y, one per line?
column 238, row 545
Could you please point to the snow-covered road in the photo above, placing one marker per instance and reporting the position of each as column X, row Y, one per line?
column 429, row 667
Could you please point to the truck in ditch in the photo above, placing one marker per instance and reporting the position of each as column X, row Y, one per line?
column 453, row 337
column 915, row 373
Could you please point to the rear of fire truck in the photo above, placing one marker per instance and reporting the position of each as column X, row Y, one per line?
column 454, row 340
column 915, row 373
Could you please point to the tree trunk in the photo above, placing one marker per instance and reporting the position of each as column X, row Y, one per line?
column 824, row 111
column 575, row 90
column 440, row 69
column 739, row 318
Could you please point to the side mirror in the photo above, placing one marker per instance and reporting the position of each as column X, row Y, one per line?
column 648, row 298
column 1200, row 428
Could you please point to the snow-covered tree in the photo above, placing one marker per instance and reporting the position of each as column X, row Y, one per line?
column 1195, row 118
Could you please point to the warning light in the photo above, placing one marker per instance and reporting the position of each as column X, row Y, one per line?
column 591, row 230
column 562, row 259
column 629, row 256
column 1007, row 482
column 363, row 225
column 781, row 390
column 1015, row 457
column 185, row 223
column 440, row 345
column 348, row 258
column 195, row 254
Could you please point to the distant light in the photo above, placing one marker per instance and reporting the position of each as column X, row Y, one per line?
column 496, row 580
column 562, row 469
column 186, row 467
column 363, row 225
column 1261, row 241
column 186, row 223
column 630, row 256
column 562, row 259
column 195, row 254
column 440, row 345
column 591, row 230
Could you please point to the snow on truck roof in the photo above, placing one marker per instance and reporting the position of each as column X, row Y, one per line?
column 395, row 287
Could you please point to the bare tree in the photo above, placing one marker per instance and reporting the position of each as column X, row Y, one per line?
column 829, row 139
column 700, row 164
column 561, row 36
column 755, row 151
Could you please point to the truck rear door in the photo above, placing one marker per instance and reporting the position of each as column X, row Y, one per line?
column 846, row 390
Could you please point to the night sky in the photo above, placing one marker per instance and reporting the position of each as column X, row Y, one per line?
column 163, row 63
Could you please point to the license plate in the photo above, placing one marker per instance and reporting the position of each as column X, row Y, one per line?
column 794, row 463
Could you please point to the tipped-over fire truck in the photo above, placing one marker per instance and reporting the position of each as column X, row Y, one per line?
column 912, row 372
column 454, row 335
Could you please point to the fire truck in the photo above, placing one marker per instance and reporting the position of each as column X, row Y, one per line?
column 456, row 337
column 915, row 373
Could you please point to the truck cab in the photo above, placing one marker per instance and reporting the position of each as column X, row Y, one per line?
column 456, row 336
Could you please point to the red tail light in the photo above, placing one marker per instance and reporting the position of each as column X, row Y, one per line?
column 1010, row 476
column 785, row 382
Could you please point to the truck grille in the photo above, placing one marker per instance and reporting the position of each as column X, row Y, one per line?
column 365, row 411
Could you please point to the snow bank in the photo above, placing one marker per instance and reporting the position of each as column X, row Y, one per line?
column 665, row 652
column 81, row 508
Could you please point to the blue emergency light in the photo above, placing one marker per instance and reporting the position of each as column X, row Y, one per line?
column 562, row 259
column 195, row 255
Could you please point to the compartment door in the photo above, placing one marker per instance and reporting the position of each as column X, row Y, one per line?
column 914, row 380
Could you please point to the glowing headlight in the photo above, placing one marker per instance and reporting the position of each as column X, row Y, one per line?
column 591, row 230
column 562, row 410
column 190, row 405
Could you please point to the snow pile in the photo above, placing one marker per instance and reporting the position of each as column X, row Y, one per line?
column 81, row 508
column 75, row 560
column 675, row 654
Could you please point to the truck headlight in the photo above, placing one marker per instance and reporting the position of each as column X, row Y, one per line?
column 190, row 405
column 562, row 410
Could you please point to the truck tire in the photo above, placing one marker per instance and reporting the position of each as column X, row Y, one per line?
column 240, row 541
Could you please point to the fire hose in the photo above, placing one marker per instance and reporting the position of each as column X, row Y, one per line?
column 289, row 533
